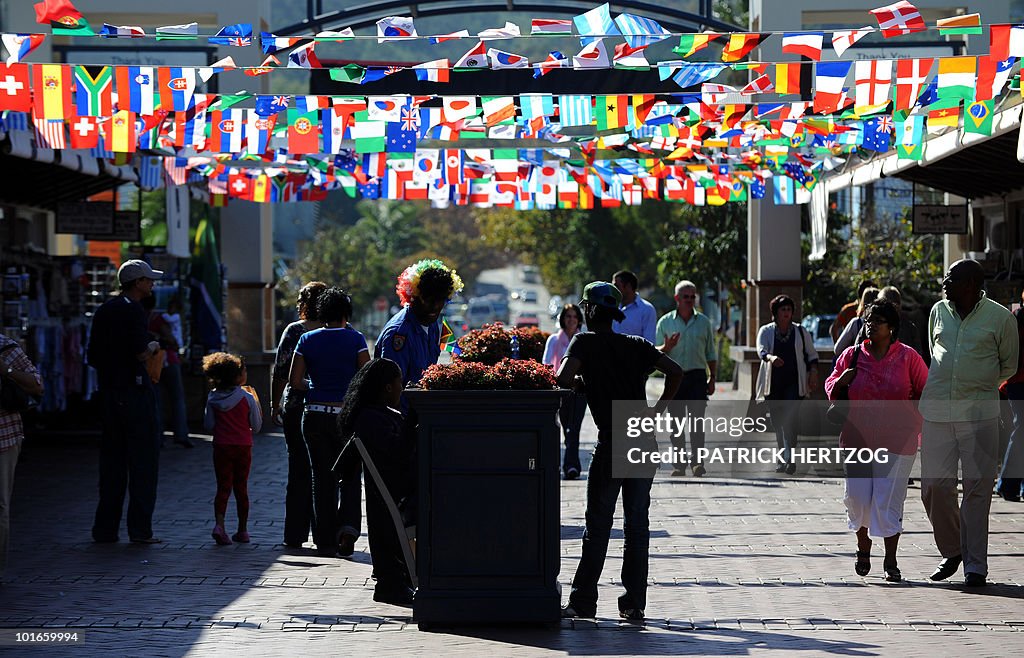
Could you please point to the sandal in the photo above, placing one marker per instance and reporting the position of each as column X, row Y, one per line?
column 892, row 573
column 863, row 564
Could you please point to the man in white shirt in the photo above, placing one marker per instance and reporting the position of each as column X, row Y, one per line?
column 641, row 317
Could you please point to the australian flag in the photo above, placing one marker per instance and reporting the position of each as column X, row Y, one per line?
column 270, row 105
column 401, row 135
column 876, row 135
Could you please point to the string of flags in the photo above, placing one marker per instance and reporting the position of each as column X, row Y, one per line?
column 708, row 145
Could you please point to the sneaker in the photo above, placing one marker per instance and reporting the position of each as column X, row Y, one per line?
column 679, row 471
column 220, row 536
column 346, row 546
column 241, row 537
column 572, row 474
column 569, row 612
column 633, row 614
column 699, row 470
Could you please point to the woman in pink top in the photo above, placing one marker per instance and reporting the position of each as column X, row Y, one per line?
column 570, row 414
column 888, row 370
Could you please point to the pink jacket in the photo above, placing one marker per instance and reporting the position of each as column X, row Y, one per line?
column 891, row 419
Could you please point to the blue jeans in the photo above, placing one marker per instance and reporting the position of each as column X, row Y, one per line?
column 129, row 462
column 1012, row 474
column 602, row 494
column 570, row 416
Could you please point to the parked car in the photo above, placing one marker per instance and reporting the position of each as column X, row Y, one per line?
column 527, row 320
column 500, row 304
column 818, row 326
column 529, row 296
column 531, row 274
column 480, row 312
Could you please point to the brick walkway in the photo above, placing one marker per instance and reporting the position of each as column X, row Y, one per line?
column 738, row 567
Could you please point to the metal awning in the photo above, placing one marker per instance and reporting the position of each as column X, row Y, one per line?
column 964, row 164
column 43, row 177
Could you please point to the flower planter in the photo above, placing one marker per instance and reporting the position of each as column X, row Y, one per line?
column 488, row 527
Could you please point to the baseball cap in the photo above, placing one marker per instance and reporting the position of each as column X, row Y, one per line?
column 603, row 294
column 131, row 270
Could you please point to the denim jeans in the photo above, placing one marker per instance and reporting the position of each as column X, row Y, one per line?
column 1012, row 474
column 129, row 461
column 602, row 494
column 570, row 416
column 320, row 430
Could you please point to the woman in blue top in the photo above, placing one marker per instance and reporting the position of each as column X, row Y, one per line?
column 329, row 357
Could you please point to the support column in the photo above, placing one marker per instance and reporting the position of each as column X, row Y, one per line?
column 773, row 268
column 247, row 253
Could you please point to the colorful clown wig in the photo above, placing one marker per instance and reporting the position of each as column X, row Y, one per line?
column 430, row 277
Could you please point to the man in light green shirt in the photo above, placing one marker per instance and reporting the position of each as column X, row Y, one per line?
column 687, row 337
column 974, row 347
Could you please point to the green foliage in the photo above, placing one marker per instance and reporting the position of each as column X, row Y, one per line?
column 366, row 257
column 886, row 252
column 707, row 246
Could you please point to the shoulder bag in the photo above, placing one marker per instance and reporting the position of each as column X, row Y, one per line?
column 840, row 408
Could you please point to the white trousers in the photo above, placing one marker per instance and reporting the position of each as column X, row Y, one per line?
column 876, row 503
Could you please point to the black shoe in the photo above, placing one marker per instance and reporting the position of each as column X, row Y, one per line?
column 781, row 468
column 1009, row 497
column 346, row 545
column 572, row 474
column 633, row 614
column 400, row 596
column 974, row 580
column 862, row 566
column 790, row 469
column 698, row 471
column 571, row 612
column 184, row 443
column 105, row 539
column 679, row 471
column 947, row 568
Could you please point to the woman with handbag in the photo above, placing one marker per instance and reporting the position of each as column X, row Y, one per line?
column 286, row 411
column 881, row 377
column 789, row 371
column 18, row 379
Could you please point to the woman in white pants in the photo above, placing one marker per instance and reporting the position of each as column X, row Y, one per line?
column 887, row 378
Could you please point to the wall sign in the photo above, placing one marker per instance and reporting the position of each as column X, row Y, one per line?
column 940, row 219
column 127, row 228
column 85, row 218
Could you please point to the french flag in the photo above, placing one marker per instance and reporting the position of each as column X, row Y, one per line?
column 503, row 60
column 435, row 71
column 121, row 31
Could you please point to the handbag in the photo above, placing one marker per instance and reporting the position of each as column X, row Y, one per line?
column 13, row 398
column 155, row 365
column 838, row 411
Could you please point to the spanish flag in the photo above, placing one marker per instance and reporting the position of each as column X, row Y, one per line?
column 121, row 134
column 51, row 85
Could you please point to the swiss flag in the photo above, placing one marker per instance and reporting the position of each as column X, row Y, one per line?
column 85, row 132
column 15, row 88
column 239, row 186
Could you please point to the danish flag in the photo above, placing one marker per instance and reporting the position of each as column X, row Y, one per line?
column 899, row 18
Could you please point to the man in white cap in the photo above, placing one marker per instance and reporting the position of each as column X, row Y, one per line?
column 119, row 346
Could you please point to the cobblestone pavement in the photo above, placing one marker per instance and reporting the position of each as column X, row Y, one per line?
column 738, row 567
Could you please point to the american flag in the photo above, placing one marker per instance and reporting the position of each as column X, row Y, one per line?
column 177, row 169
column 50, row 133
